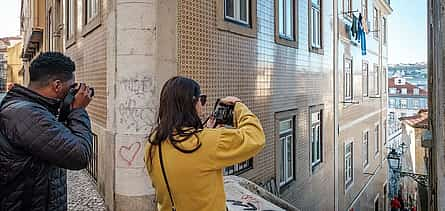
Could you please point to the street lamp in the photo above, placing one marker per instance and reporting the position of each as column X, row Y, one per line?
column 395, row 165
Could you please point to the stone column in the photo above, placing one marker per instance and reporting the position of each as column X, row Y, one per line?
column 140, row 68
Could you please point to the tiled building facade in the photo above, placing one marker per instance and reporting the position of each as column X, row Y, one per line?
column 292, row 62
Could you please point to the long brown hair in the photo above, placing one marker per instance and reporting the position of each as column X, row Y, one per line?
column 177, row 118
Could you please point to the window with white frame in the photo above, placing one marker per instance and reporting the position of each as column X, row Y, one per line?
column 385, row 30
column 348, row 80
column 416, row 103
column 348, row 165
column 376, row 23
column 385, row 132
column 347, row 8
column 365, row 148
column 385, row 80
column 393, row 91
column 315, row 24
column 286, row 19
column 239, row 168
column 365, row 67
column 365, row 9
column 237, row 11
column 287, row 151
column 92, row 10
column 377, row 139
column 316, row 137
column 416, row 91
column 391, row 103
column 404, row 91
column 376, row 80
column 70, row 19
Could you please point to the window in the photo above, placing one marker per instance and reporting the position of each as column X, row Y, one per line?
column 365, row 67
column 391, row 116
column 237, row 11
column 285, row 23
column 239, row 17
column 365, row 9
column 286, row 19
column 347, row 8
column 92, row 10
column 376, row 203
column 315, row 26
column 404, row 91
column 376, row 80
column 287, row 151
column 347, row 80
column 391, row 103
column 385, row 132
column 348, row 165
column 416, row 91
column 377, row 139
column 385, row 31
column 385, row 80
column 376, row 23
column 393, row 91
column 239, row 168
column 416, row 103
column 316, row 137
column 365, row 148
column 70, row 19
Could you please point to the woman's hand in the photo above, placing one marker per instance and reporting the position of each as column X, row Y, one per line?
column 211, row 123
column 230, row 100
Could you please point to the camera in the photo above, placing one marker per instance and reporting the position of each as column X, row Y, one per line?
column 65, row 106
column 223, row 113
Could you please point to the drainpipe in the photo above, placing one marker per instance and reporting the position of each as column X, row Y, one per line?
column 336, row 109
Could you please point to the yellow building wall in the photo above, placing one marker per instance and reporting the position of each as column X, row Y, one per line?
column 15, row 64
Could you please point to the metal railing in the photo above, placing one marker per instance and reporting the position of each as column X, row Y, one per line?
column 92, row 166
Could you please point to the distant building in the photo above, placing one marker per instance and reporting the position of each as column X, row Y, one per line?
column 404, row 99
column 416, row 156
column 14, row 73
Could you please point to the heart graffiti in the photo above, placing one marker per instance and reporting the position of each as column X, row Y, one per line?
column 128, row 153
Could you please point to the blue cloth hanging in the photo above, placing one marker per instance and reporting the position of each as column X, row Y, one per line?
column 361, row 35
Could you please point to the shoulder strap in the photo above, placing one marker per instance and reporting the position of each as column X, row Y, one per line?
column 165, row 178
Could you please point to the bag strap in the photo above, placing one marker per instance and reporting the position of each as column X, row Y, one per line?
column 165, row 178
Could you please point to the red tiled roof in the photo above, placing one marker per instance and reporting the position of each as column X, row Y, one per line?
column 420, row 120
column 409, row 87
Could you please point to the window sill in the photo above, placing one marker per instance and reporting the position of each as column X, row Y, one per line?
column 286, row 186
column 91, row 26
column 317, row 167
column 316, row 50
column 70, row 42
column 348, row 186
column 236, row 28
column 286, row 42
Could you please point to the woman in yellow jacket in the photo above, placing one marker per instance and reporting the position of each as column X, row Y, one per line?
column 193, row 156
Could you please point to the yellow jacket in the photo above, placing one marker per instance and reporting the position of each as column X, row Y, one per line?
column 196, row 179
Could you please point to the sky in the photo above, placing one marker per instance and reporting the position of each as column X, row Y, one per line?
column 407, row 28
column 9, row 18
column 407, row 31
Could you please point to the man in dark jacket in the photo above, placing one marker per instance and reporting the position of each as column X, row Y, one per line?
column 36, row 147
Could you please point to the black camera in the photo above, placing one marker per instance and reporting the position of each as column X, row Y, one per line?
column 223, row 113
column 65, row 106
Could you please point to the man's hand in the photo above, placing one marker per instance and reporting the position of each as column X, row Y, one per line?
column 230, row 100
column 83, row 97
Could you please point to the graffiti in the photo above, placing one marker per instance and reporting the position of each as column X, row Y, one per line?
column 128, row 153
column 142, row 86
column 246, row 206
column 135, row 117
column 271, row 186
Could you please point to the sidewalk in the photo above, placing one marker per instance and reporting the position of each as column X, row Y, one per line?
column 82, row 193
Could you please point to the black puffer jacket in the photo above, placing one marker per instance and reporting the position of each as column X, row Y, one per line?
column 39, row 150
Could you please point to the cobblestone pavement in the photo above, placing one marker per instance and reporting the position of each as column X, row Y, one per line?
column 82, row 193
